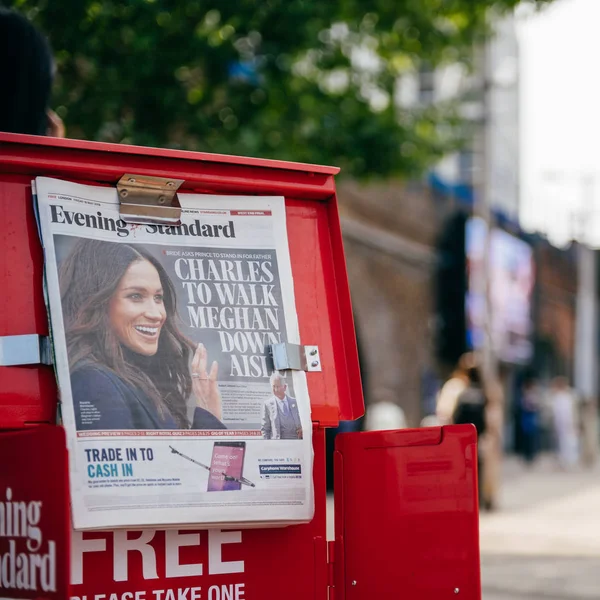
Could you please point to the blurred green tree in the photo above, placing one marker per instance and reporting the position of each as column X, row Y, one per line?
column 306, row 80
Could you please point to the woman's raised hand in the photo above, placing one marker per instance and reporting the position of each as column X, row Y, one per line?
column 204, row 384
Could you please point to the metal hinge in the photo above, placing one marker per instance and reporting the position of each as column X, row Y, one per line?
column 287, row 356
column 145, row 199
column 331, row 569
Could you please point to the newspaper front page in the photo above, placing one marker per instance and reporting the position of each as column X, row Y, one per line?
column 160, row 338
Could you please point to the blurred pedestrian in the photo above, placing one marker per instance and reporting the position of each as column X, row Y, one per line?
column 384, row 415
column 565, row 415
column 26, row 73
column 470, row 408
column 430, row 421
column 529, row 401
column 546, row 435
column 452, row 389
column 588, row 417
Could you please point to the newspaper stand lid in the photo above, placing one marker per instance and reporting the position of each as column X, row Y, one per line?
column 406, row 514
column 318, row 264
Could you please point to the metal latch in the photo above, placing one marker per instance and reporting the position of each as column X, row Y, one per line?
column 146, row 199
column 19, row 350
column 295, row 357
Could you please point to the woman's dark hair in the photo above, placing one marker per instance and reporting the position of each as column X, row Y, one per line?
column 474, row 375
column 88, row 278
column 26, row 72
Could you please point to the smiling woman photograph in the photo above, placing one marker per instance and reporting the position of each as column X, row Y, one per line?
column 131, row 367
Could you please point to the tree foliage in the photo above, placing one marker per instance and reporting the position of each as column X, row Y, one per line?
column 308, row 80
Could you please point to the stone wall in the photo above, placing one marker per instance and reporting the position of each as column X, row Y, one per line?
column 389, row 236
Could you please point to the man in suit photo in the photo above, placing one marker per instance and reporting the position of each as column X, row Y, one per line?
column 280, row 416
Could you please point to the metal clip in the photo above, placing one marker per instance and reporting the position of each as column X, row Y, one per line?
column 19, row 350
column 295, row 357
column 147, row 199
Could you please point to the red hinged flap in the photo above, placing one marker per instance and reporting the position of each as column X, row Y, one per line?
column 406, row 514
column 34, row 514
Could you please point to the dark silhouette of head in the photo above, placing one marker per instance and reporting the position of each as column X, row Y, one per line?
column 26, row 73
column 474, row 375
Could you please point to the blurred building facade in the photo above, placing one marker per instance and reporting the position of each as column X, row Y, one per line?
column 391, row 231
column 502, row 151
column 555, row 310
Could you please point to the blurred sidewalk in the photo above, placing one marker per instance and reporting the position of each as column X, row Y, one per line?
column 544, row 541
column 544, row 511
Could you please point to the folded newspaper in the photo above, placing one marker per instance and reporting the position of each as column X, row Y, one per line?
column 160, row 337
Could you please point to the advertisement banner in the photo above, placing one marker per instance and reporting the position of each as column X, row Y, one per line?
column 161, row 337
column 511, row 274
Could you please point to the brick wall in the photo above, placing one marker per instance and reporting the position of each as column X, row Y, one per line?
column 555, row 308
column 389, row 236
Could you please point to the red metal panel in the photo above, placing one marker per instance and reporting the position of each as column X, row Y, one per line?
column 351, row 399
column 318, row 264
column 324, row 310
column 162, row 153
column 288, row 563
column 91, row 162
column 45, row 532
column 27, row 394
column 406, row 514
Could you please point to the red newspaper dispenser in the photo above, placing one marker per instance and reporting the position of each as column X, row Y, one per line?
column 406, row 506
column 35, row 526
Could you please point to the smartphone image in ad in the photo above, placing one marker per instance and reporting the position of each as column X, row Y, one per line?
column 226, row 466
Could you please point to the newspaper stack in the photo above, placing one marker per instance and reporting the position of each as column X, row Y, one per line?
column 160, row 338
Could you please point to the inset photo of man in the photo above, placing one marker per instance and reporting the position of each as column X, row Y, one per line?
column 280, row 416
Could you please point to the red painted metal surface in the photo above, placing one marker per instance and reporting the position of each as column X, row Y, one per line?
column 89, row 162
column 318, row 264
column 406, row 515
column 45, row 531
column 164, row 154
column 27, row 394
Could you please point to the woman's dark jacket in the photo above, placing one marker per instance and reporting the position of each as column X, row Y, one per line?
column 102, row 400
column 470, row 408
